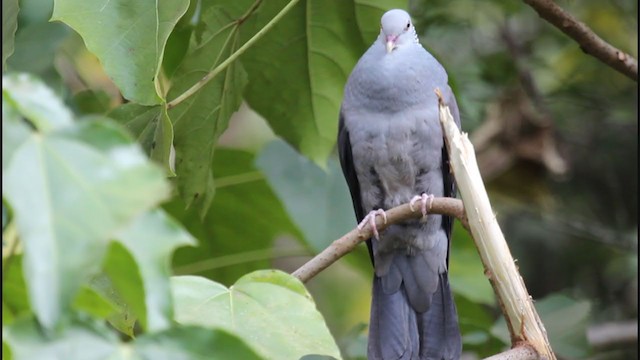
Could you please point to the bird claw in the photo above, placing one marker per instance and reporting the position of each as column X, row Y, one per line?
column 424, row 199
column 371, row 219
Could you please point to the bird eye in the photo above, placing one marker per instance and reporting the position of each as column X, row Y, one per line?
column 408, row 25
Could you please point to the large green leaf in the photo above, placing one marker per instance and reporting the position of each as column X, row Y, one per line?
column 151, row 239
column 237, row 235
column 317, row 200
column 128, row 37
column 200, row 119
column 122, row 284
column 9, row 27
column 269, row 309
column 70, row 190
column 153, row 129
column 83, row 339
column 32, row 54
column 299, row 68
column 88, row 340
column 192, row 343
column 32, row 99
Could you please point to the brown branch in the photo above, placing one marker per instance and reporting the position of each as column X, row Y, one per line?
column 519, row 352
column 522, row 319
column 613, row 334
column 348, row 242
column 589, row 42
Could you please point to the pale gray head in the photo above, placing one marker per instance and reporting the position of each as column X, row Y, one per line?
column 396, row 30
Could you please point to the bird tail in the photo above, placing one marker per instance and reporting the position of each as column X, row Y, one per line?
column 398, row 332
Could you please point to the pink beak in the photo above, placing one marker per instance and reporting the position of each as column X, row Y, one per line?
column 391, row 43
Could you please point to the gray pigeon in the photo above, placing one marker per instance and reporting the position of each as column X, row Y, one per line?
column 392, row 152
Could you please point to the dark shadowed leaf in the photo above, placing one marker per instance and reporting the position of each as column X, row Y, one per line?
column 237, row 235
column 90, row 101
column 9, row 26
column 152, row 128
column 200, row 119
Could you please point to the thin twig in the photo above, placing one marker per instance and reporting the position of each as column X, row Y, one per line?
column 589, row 42
column 623, row 333
column 348, row 242
column 233, row 57
column 236, row 259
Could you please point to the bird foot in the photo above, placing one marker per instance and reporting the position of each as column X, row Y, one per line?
column 424, row 200
column 371, row 219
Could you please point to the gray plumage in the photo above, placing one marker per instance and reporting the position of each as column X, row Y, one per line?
column 391, row 149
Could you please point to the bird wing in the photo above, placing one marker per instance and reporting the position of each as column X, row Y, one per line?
column 349, row 171
column 447, row 173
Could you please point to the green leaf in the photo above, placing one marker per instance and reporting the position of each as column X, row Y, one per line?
column 152, row 128
column 236, row 236
column 35, row 101
column 269, row 310
column 90, row 102
column 15, row 301
column 151, row 239
column 119, row 261
column 9, row 27
column 299, row 182
column 70, row 191
column 299, row 68
column 475, row 322
column 83, row 339
column 6, row 351
column 36, row 45
column 128, row 37
column 200, row 119
column 193, row 343
column 125, row 287
column 92, row 302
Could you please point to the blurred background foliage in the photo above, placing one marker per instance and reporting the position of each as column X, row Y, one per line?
column 556, row 133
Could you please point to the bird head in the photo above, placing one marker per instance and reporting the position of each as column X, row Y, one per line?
column 396, row 30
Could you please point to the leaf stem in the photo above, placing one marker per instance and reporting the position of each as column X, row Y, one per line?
column 218, row 69
column 237, row 259
column 238, row 179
